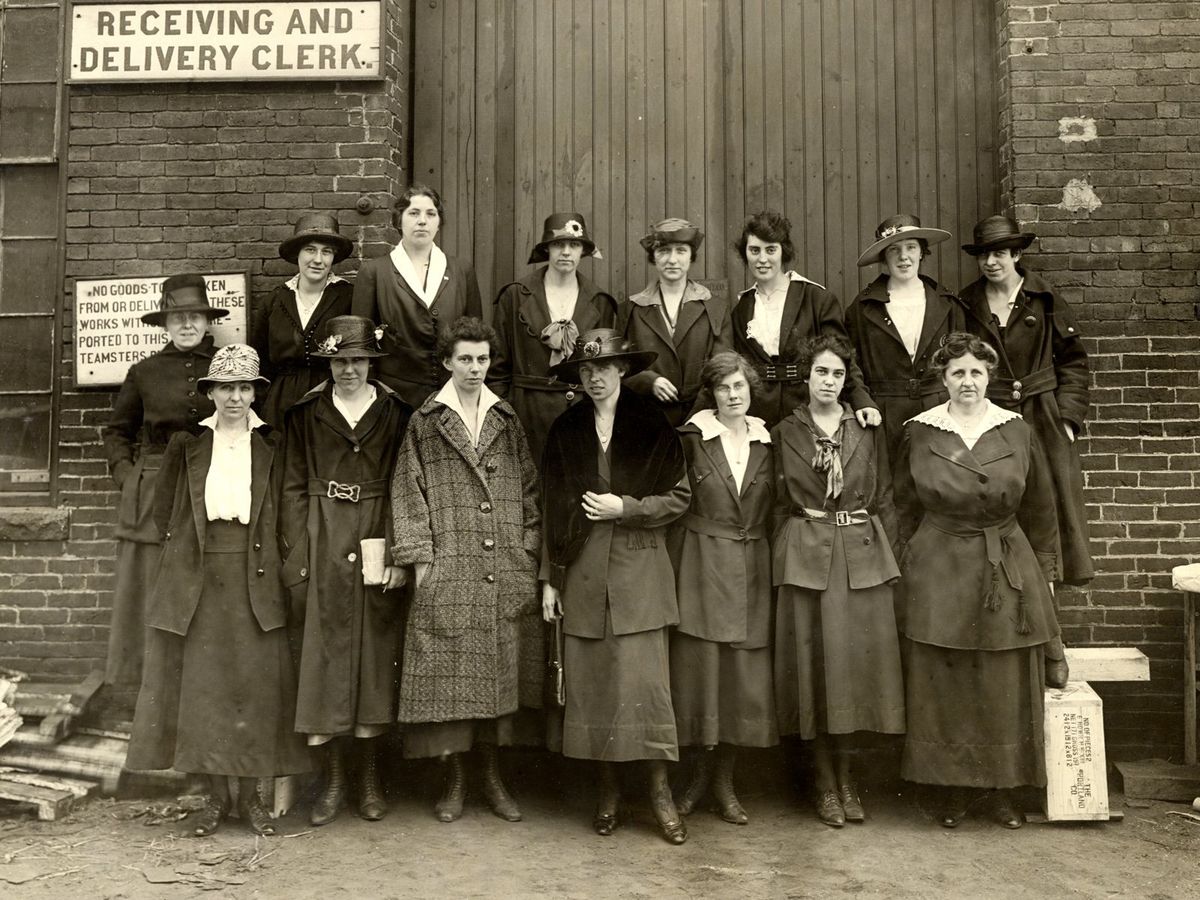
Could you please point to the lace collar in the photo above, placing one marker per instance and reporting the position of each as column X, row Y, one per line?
column 939, row 417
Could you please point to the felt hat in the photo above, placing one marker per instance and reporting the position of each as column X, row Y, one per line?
column 563, row 226
column 998, row 233
column 898, row 228
column 320, row 227
column 600, row 345
column 233, row 362
column 344, row 336
column 673, row 231
column 183, row 293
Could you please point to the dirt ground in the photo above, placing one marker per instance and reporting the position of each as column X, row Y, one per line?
column 106, row 850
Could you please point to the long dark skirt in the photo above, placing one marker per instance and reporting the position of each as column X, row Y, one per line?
column 138, row 550
column 975, row 717
column 443, row 738
column 220, row 700
column 722, row 694
column 619, row 697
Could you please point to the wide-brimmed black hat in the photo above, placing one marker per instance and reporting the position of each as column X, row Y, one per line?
column 233, row 362
column 320, row 227
column 998, row 233
column 563, row 226
column 183, row 293
column 673, row 231
column 349, row 336
column 601, row 345
column 898, row 228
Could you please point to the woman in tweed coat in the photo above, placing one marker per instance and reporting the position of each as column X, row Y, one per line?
column 466, row 517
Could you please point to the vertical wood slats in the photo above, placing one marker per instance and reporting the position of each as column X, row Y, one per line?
column 837, row 114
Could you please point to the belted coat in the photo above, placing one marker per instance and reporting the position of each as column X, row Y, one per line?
column 473, row 645
column 701, row 330
column 809, row 310
column 901, row 386
column 1041, row 348
column 521, row 361
column 348, row 632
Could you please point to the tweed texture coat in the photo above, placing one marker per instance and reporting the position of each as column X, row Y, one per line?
column 808, row 310
column 473, row 646
column 1041, row 346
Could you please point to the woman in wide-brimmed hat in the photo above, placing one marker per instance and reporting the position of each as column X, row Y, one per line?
column 414, row 291
column 218, row 692
column 773, row 319
column 342, row 441
column 537, row 321
column 158, row 398
column 613, row 477
column 899, row 320
column 284, row 329
column 1042, row 372
column 676, row 318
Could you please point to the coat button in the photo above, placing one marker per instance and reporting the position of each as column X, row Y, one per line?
column 570, row 395
column 351, row 556
column 867, row 540
column 1017, row 385
column 491, row 466
column 167, row 536
column 190, row 379
column 434, row 313
column 304, row 573
column 1031, row 321
column 485, row 506
column 192, row 411
column 261, row 572
column 490, row 578
column 489, row 544
column 1016, row 395
column 357, row 448
column 188, row 364
column 258, row 546
column 741, row 532
column 983, row 479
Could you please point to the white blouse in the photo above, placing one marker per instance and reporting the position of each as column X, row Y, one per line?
column 227, row 485
column 448, row 396
column 353, row 414
column 767, row 323
column 737, row 452
column 906, row 308
column 305, row 312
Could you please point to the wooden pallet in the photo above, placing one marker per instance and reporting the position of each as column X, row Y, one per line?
column 51, row 797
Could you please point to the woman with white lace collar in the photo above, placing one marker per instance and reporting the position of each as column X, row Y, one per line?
column 983, row 640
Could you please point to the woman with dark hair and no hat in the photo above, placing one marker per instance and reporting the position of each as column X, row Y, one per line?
column 414, row 291
column 538, row 320
column 342, row 441
column 158, row 398
column 676, row 318
column 218, row 693
column 284, row 329
column 773, row 319
column 613, row 478
column 1042, row 372
column 982, row 640
column 898, row 321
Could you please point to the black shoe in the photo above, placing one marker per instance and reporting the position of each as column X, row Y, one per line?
column 955, row 804
column 449, row 807
column 1006, row 811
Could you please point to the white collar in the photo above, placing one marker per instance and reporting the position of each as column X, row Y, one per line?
column 424, row 287
column 793, row 275
column 252, row 422
column 448, row 396
column 710, row 426
column 939, row 417
column 294, row 281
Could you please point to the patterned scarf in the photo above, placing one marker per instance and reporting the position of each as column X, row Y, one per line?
column 560, row 337
column 828, row 459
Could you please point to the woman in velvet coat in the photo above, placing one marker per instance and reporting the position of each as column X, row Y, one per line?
column 413, row 292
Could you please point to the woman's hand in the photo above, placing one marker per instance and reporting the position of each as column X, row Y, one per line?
column 664, row 390
column 551, row 602
column 1070, row 432
column 420, row 570
column 602, row 507
column 394, row 577
column 868, row 417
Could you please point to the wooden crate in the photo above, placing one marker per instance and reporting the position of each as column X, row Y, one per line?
column 1076, row 771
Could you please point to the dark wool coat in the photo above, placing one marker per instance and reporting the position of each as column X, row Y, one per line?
column 349, row 632
column 472, row 649
column 803, row 546
column 614, row 570
column 899, row 386
column 720, row 548
column 702, row 330
column 157, row 399
column 966, row 502
column 285, row 347
column 1042, row 347
column 412, row 367
column 808, row 310
column 180, row 514
column 521, row 362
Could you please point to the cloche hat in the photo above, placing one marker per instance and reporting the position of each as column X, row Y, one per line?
column 673, row 231
column 563, row 226
column 602, row 345
column 316, row 226
column 233, row 362
column 183, row 293
column 898, row 228
column 344, row 336
column 998, row 233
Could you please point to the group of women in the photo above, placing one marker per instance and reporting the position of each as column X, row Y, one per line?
column 750, row 522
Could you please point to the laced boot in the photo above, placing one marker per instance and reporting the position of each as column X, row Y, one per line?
column 494, row 791
column 674, row 831
column 371, row 803
column 722, row 786
column 606, row 820
column 329, row 802
column 697, row 788
column 450, row 807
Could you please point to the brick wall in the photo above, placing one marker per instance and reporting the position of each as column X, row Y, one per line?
column 169, row 178
column 1100, row 130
